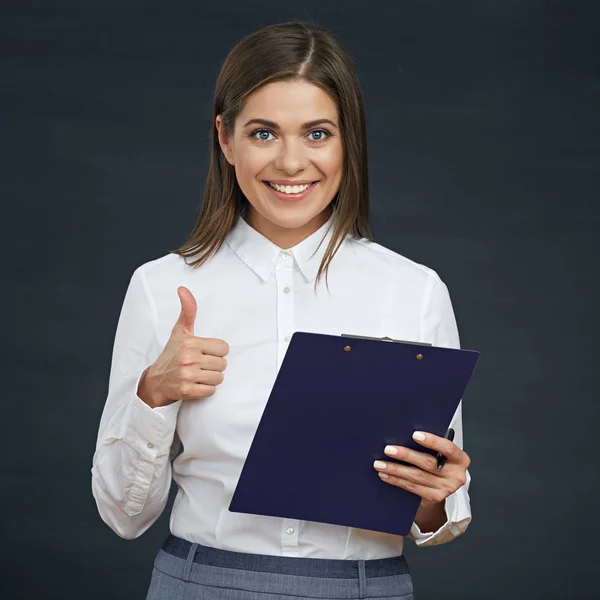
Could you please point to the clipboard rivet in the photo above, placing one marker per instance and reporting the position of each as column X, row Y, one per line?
column 419, row 357
column 347, row 349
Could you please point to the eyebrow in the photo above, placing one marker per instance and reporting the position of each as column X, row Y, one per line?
column 274, row 125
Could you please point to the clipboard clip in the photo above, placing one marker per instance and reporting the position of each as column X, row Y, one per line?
column 386, row 339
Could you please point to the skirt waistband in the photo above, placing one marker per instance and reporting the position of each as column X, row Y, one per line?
column 286, row 565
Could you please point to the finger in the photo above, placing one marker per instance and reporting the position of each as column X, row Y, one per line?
column 191, row 391
column 197, row 358
column 213, row 363
column 449, row 449
column 196, row 374
column 187, row 316
column 215, row 347
column 197, row 346
column 423, row 460
column 413, row 474
column 427, row 493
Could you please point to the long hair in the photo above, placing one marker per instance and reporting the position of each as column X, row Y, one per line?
column 295, row 50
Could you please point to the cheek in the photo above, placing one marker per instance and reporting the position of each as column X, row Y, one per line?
column 331, row 161
column 250, row 163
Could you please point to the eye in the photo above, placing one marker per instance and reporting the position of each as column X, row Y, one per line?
column 320, row 131
column 262, row 138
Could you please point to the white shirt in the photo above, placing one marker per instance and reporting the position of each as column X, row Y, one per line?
column 253, row 295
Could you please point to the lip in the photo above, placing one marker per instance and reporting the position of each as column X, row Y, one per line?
column 290, row 182
column 291, row 197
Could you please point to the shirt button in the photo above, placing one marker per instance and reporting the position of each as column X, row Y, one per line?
column 150, row 445
column 287, row 338
column 284, row 254
column 286, row 290
column 290, row 530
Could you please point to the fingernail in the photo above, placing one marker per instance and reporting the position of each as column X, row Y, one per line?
column 378, row 464
column 419, row 435
column 391, row 450
column 384, row 475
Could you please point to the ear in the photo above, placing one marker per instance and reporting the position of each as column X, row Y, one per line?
column 224, row 142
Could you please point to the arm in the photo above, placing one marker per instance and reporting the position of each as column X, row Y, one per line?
column 131, row 466
column 439, row 327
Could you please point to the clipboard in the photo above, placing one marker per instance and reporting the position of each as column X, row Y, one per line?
column 337, row 401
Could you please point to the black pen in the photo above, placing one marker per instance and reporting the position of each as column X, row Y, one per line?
column 441, row 459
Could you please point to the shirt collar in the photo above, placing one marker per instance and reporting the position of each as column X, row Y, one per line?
column 261, row 254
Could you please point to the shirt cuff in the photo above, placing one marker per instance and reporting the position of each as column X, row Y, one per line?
column 458, row 517
column 150, row 430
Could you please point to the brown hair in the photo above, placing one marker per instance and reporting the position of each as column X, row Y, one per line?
column 295, row 50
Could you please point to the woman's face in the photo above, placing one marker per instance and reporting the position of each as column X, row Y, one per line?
column 300, row 143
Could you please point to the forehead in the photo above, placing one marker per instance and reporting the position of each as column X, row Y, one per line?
column 289, row 102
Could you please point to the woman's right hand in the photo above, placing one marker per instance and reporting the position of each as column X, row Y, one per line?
column 188, row 367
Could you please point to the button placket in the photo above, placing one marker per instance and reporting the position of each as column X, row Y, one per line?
column 284, row 275
column 289, row 537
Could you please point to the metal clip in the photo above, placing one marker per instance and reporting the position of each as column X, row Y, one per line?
column 385, row 338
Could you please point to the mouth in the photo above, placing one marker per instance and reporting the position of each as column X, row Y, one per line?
column 291, row 193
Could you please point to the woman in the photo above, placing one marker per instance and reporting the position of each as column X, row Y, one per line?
column 286, row 200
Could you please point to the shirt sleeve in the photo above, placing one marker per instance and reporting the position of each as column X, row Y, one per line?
column 131, row 466
column 439, row 328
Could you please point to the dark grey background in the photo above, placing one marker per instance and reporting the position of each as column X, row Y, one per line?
column 483, row 137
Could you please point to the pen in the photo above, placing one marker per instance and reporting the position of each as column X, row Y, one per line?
column 441, row 459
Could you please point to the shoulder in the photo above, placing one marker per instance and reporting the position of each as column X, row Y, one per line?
column 154, row 274
column 391, row 264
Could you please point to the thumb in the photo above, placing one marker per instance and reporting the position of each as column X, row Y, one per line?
column 185, row 322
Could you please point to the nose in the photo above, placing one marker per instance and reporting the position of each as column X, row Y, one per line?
column 292, row 156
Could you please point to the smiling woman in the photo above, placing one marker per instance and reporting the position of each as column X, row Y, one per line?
column 288, row 111
column 286, row 200
column 290, row 173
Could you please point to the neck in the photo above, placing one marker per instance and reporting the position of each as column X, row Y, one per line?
column 285, row 237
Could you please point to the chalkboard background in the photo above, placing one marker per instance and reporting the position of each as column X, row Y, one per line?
column 484, row 128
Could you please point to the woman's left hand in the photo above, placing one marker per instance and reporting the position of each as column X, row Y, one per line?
column 423, row 479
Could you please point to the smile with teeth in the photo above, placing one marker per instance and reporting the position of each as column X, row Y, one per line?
column 289, row 189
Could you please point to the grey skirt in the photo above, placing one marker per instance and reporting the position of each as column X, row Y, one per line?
column 186, row 571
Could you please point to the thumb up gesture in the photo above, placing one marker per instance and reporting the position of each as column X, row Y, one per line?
column 189, row 366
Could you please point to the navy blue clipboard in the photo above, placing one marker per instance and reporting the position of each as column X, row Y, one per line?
column 336, row 402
